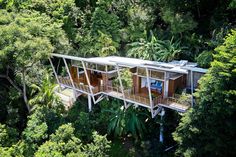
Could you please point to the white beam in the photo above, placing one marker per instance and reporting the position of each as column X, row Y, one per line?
column 71, row 80
column 166, row 84
column 55, row 73
column 99, row 99
column 88, row 81
column 121, row 85
column 149, row 92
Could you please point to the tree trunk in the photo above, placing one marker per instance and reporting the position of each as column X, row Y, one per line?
column 24, row 91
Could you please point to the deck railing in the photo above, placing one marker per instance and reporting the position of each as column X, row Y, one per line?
column 176, row 102
column 128, row 93
column 80, row 86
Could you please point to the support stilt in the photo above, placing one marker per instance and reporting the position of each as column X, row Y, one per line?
column 71, row 80
column 121, row 85
column 55, row 73
column 89, row 103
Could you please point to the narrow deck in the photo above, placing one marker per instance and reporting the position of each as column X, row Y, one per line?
column 172, row 103
column 140, row 98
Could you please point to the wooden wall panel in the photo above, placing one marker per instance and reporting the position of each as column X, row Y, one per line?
column 175, row 84
column 74, row 73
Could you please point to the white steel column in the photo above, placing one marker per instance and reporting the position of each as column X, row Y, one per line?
column 149, row 92
column 89, row 103
column 191, row 75
column 166, row 84
column 88, row 81
column 55, row 73
column 68, row 71
column 121, row 85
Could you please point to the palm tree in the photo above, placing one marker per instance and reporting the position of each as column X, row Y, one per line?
column 169, row 50
column 43, row 94
column 124, row 121
column 135, row 124
column 157, row 50
column 144, row 49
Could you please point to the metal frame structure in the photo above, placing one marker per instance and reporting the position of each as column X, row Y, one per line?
column 118, row 64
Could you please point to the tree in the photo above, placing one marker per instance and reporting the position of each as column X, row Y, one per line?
column 156, row 50
column 65, row 143
column 126, row 79
column 144, row 49
column 35, row 133
column 45, row 95
column 8, row 136
column 60, row 11
column 208, row 129
column 62, row 143
column 26, row 39
column 178, row 22
column 204, row 59
column 107, row 23
column 169, row 50
column 99, row 147
column 124, row 121
column 139, row 22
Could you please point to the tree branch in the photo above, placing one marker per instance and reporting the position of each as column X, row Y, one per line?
column 12, row 83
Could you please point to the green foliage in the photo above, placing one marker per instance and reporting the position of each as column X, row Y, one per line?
column 204, row 59
column 126, row 79
column 29, row 33
column 62, row 143
column 99, row 147
column 107, row 23
column 178, row 22
column 27, row 38
column 139, row 21
column 19, row 41
column 104, row 45
column 144, row 49
column 44, row 95
column 65, row 143
column 60, row 11
column 169, row 50
column 8, row 136
column 40, row 125
column 232, row 4
column 125, row 121
column 36, row 130
column 157, row 50
column 208, row 129
column 185, row 99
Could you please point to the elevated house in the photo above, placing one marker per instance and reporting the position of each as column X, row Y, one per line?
column 154, row 84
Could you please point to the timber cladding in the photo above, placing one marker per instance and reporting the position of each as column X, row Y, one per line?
column 175, row 84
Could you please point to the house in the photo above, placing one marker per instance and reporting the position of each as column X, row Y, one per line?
column 154, row 84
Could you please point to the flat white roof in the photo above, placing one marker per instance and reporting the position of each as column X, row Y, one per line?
column 174, row 66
